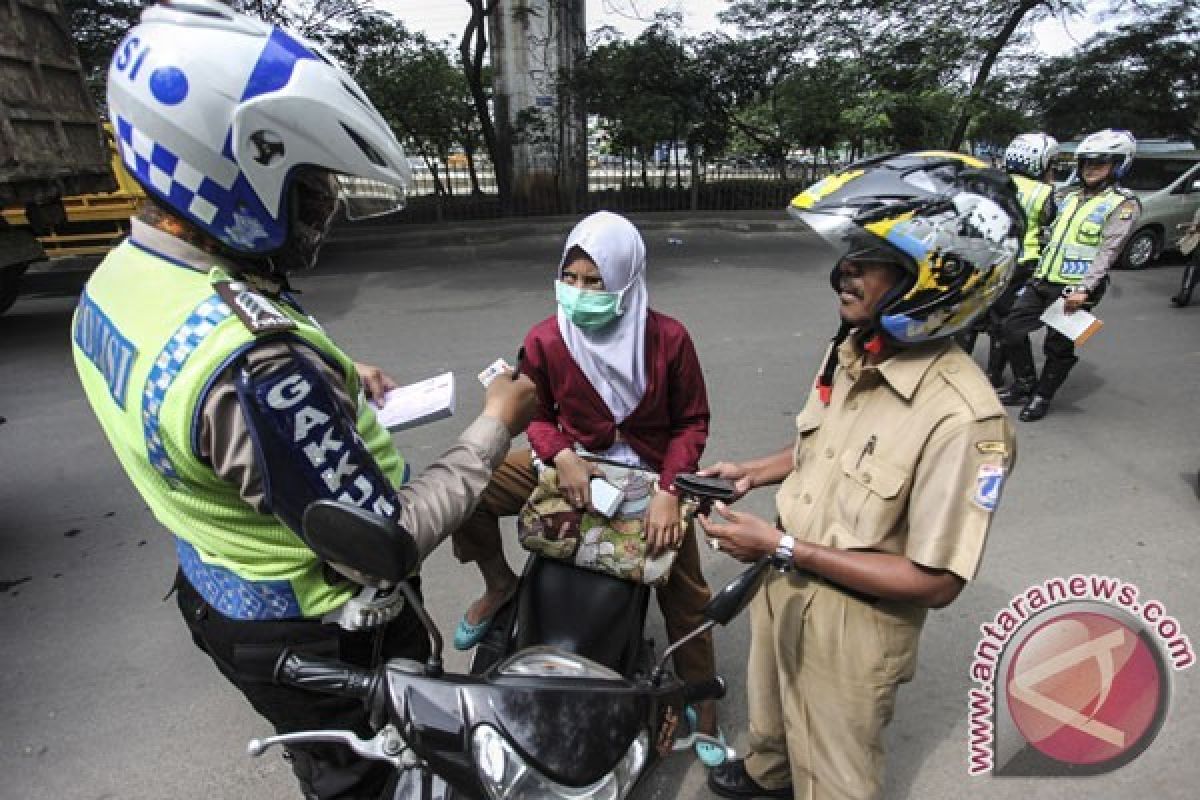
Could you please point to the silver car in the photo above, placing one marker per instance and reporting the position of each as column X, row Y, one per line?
column 1168, row 186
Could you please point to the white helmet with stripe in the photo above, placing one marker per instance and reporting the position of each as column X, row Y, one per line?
column 219, row 116
column 1031, row 154
column 1116, row 146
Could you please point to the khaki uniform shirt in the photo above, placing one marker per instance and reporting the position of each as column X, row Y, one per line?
column 909, row 457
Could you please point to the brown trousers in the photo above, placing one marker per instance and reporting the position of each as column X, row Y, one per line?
column 681, row 598
column 821, row 686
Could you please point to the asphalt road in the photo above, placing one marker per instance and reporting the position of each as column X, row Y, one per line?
column 102, row 695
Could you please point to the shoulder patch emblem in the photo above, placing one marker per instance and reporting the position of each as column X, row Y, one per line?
column 256, row 312
column 988, row 483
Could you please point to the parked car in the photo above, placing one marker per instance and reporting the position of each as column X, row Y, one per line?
column 1168, row 186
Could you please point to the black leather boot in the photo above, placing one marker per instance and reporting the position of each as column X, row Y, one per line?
column 1037, row 408
column 997, row 361
column 1020, row 355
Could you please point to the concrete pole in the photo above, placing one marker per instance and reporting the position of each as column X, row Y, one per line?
column 536, row 46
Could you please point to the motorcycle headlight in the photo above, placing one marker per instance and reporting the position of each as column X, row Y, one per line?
column 506, row 776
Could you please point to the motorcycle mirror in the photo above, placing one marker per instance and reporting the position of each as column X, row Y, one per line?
column 367, row 543
column 737, row 594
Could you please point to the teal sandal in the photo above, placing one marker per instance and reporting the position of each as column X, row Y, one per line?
column 710, row 755
column 467, row 635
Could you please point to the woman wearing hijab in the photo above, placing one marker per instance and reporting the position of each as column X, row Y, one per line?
column 621, row 381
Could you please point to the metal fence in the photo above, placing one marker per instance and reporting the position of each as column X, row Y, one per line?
column 451, row 193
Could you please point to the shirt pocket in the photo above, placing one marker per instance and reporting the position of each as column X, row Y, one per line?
column 808, row 422
column 869, row 499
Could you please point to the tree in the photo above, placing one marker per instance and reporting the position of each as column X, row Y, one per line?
column 1144, row 76
column 472, row 50
column 99, row 26
column 415, row 85
column 314, row 19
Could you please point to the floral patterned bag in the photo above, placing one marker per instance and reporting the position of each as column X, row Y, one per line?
column 616, row 545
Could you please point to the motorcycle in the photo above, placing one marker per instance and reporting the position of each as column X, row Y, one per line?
column 535, row 719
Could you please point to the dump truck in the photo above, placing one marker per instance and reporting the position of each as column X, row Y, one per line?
column 52, row 143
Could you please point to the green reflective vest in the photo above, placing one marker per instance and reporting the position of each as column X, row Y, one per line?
column 1033, row 196
column 148, row 337
column 1077, row 236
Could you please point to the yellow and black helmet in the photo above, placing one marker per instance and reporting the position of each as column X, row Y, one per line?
column 953, row 224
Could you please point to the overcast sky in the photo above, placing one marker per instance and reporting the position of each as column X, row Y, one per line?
column 442, row 19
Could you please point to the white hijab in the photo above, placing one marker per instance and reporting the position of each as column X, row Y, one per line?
column 614, row 357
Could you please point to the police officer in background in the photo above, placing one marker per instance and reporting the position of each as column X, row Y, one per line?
column 230, row 409
column 1093, row 224
column 1029, row 161
column 890, row 487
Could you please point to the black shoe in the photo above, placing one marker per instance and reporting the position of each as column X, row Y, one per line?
column 1038, row 407
column 731, row 780
column 1015, row 394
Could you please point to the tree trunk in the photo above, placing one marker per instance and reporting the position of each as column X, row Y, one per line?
column 470, row 153
column 985, row 70
column 472, row 50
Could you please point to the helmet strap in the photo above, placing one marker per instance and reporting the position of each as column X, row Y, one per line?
column 825, row 379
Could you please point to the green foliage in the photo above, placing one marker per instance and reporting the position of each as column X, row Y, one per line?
column 1144, row 76
column 415, row 84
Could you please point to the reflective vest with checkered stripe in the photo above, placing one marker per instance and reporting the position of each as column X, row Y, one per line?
column 1033, row 196
column 1077, row 236
column 135, row 311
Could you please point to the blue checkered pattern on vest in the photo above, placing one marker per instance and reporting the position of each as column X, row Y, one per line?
column 203, row 320
column 234, row 596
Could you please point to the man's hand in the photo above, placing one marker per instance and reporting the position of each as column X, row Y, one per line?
column 663, row 531
column 375, row 382
column 513, row 402
column 742, row 482
column 575, row 477
column 1074, row 301
column 744, row 536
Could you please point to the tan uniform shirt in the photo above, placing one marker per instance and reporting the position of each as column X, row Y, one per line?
column 909, row 458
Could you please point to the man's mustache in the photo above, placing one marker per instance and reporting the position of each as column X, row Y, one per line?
column 848, row 289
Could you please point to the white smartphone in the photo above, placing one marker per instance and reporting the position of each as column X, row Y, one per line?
column 606, row 498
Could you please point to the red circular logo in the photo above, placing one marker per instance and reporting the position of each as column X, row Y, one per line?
column 1085, row 688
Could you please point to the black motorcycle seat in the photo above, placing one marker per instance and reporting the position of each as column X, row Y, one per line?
column 584, row 612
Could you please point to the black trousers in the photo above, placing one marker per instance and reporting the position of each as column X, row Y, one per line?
column 246, row 652
column 1025, row 318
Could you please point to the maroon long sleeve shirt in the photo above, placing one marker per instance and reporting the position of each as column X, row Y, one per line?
column 669, row 427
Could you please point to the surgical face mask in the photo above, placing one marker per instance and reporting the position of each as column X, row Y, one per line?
column 589, row 310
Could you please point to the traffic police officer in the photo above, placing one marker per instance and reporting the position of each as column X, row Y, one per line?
column 229, row 408
column 1094, row 222
column 889, row 490
column 1029, row 161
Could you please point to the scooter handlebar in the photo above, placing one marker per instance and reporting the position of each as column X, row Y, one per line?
column 325, row 676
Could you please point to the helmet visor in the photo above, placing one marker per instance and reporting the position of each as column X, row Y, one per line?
column 363, row 198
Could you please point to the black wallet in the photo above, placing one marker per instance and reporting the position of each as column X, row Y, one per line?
column 705, row 488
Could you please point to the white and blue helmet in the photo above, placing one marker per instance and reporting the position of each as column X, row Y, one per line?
column 1115, row 146
column 215, row 113
column 1030, row 154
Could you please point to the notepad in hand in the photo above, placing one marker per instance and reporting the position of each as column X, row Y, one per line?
column 1078, row 326
column 418, row 403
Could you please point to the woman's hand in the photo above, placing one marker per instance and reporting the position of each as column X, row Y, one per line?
column 375, row 382
column 574, row 478
column 663, row 531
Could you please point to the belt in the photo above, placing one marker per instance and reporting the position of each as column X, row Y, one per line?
column 234, row 596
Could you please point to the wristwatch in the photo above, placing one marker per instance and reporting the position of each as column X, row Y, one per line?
column 784, row 552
